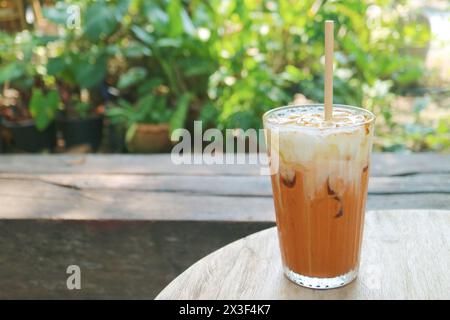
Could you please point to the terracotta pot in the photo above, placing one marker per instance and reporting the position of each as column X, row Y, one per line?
column 149, row 138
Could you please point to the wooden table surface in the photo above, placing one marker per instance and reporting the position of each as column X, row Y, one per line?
column 405, row 255
column 174, row 215
column 150, row 187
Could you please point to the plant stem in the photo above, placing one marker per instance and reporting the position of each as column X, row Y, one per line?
column 168, row 72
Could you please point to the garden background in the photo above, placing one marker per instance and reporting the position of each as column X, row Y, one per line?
column 120, row 75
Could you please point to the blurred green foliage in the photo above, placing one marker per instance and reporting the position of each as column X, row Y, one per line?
column 43, row 107
column 227, row 62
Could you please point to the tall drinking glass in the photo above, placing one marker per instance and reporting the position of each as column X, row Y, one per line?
column 319, row 182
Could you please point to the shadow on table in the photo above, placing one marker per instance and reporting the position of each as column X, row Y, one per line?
column 118, row 259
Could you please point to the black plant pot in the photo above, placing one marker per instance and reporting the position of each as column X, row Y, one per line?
column 86, row 131
column 1, row 144
column 28, row 138
column 116, row 137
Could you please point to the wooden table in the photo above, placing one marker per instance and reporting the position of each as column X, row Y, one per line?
column 56, row 209
column 139, row 187
column 405, row 255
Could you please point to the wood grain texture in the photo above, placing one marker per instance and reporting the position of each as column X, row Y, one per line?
column 382, row 164
column 152, row 188
column 25, row 198
column 221, row 185
column 405, row 255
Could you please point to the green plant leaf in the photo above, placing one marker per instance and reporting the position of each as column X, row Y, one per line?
column 55, row 66
column 144, row 109
column 169, row 42
column 148, row 85
column 188, row 26
column 175, row 20
column 117, row 115
column 43, row 40
column 293, row 74
column 100, row 21
column 179, row 116
column 443, row 126
column 122, row 8
column 136, row 49
column 130, row 133
column 143, row 35
column 209, row 113
column 90, row 73
column 131, row 77
column 43, row 107
column 11, row 72
column 156, row 16
column 195, row 67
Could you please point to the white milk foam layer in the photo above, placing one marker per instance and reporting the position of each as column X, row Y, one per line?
column 336, row 151
column 312, row 117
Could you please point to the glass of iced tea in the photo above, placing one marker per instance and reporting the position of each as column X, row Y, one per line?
column 320, row 172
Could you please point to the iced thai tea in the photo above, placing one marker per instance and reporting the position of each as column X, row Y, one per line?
column 319, row 190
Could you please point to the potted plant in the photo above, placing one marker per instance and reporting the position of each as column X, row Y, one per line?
column 79, row 77
column 81, row 123
column 27, row 105
column 79, row 59
column 150, row 121
column 33, row 127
